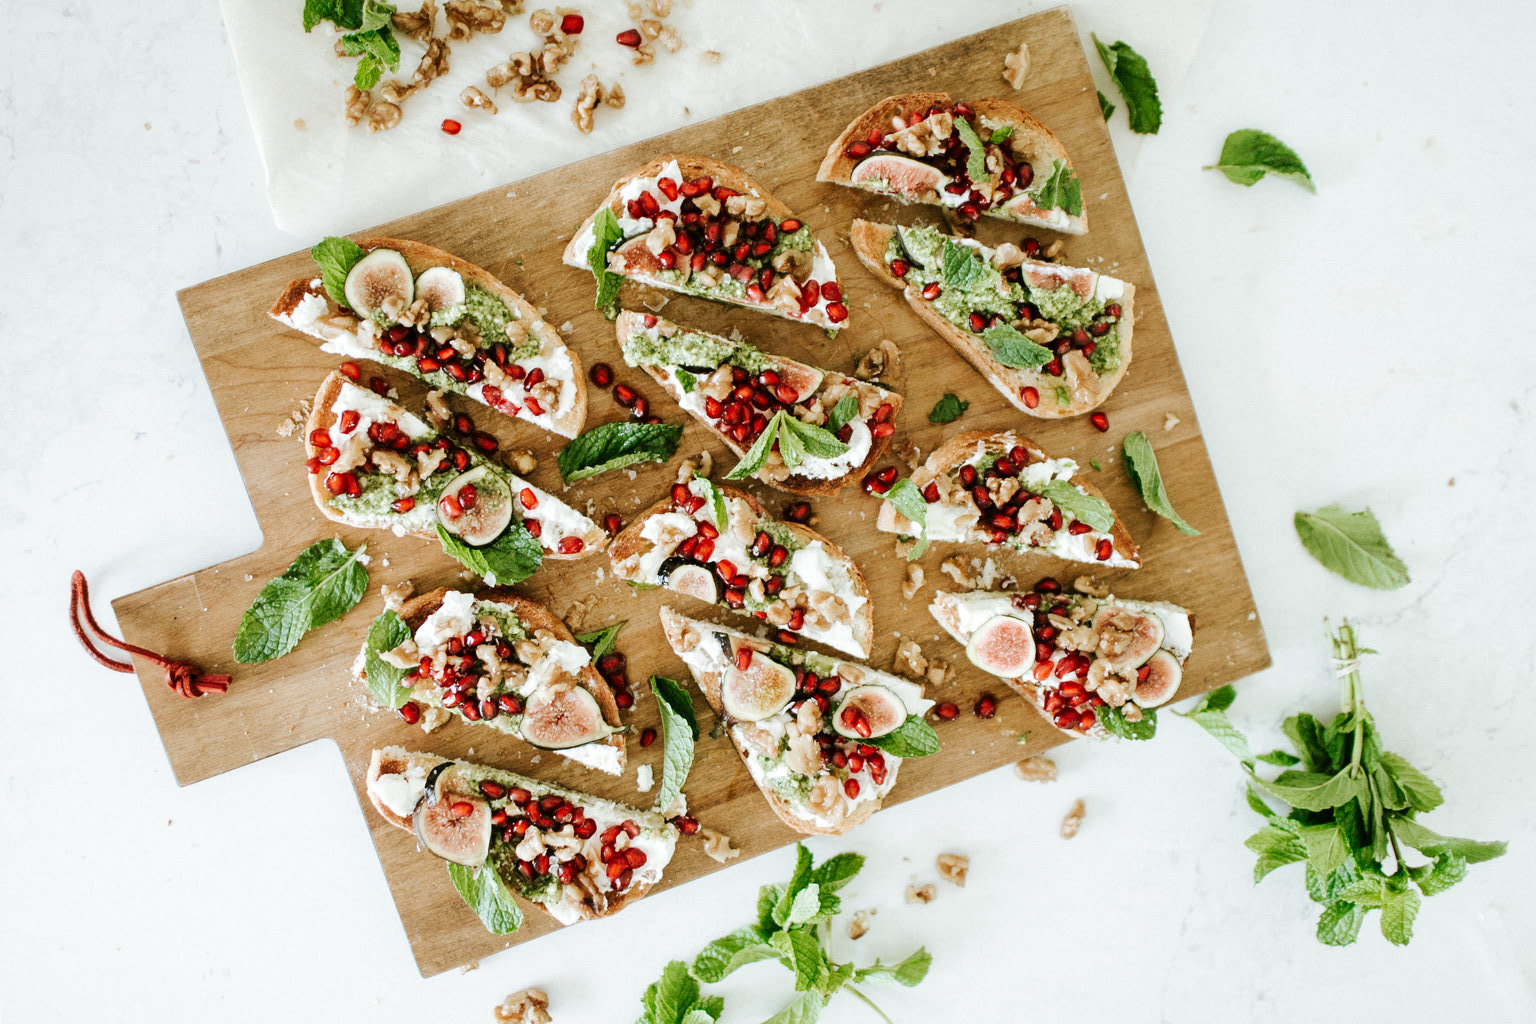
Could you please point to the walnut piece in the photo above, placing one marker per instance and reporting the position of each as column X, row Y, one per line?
column 521, row 459
column 418, row 25
column 466, row 17
column 954, row 568
column 592, row 93
column 920, row 893
column 1074, row 819
column 1091, row 586
column 914, row 581
column 383, row 116
column 702, row 464
column 670, row 40
column 1036, row 769
column 909, row 660
column 438, row 413
column 938, row 673
column 859, row 925
column 660, row 8
column 472, row 97
column 530, row 1006
column 880, row 363
column 542, row 21
column 710, row 56
column 358, row 102
column 716, row 846
column 528, row 74
column 953, row 868
column 644, row 54
column 1016, row 66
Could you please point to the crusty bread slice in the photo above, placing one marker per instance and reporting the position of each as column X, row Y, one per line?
column 536, row 618
column 1086, row 388
column 626, row 549
column 630, row 322
column 420, row 257
column 396, row 760
column 681, row 633
column 1030, row 142
column 644, row 267
column 947, row 459
column 321, row 417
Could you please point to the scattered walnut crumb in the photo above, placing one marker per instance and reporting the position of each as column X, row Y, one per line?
column 650, row 28
column 530, row 1006
column 474, row 98
column 953, row 867
column 954, row 568
column 909, row 660
column 357, row 103
column 1072, row 821
column 1016, row 66
column 1053, row 250
column 576, row 615
column 1090, row 585
column 396, row 595
column 717, row 847
column 914, row 581
column 921, row 893
column 522, row 460
column 419, row 25
column 465, row 18
column 883, row 362
column 297, row 123
column 1170, row 421
column 702, row 464
column 432, row 717
column 438, row 413
column 473, row 965
column 286, row 428
column 938, row 673
column 1036, row 769
column 592, row 93
column 636, row 9
column 660, row 8
column 383, row 116
column 908, row 452
column 644, row 54
column 710, row 56
column 859, row 926
column 670, row 40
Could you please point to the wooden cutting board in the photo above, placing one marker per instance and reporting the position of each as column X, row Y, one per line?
column 260, row 372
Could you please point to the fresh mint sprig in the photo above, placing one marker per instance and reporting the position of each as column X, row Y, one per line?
column 796, row 441
column 616, row 446
column 1248, row 155
column 1137, row 87
column 679, row 733
column 606, row 234
column 324, row 583
column 909, row 501
column 368, row 35
column 386, row 681
column 1352, row 545
column 601, row 641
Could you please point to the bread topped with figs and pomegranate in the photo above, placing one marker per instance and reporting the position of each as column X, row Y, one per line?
column 823, row 738
column 1053, row 340
column 495, row 659
column 697, row 226
column 442, row 319
column 987, row 158
column 1094, row 664
column 738, row 390
column 573, row 854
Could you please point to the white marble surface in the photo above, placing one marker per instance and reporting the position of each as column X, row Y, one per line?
column 1323, row 368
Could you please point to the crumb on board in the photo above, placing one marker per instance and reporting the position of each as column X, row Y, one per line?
column 1073, row 821
column 1036, row 769
column 921, row 893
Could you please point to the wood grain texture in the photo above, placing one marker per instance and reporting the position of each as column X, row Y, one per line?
column 260, row 372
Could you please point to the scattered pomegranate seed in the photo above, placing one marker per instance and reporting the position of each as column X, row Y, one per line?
column 1105, row 548
column 837, row 312
column 379, row 386
column 647, row 737
column 352, row 371
column 624, row 395
column 451, row 127
column 572, row 24
column 571, row 545
column 947, row 711
column 630, row 37
column 1099, row 421
column 986, row 706
column 798, row 512
column 410, row 712
column 851, row 787
column 1031, row 397
column 601, row 374
column 686, row 825
column 613, row 524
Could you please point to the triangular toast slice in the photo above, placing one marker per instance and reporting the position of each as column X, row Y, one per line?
column 1094, row 664
column 502, row 661
column 706, row 374
column 823, row 738
column 697, row 226
column 988, row 158
column 1055, row 341
column 441, row 319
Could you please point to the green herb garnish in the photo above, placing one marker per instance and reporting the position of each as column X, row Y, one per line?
column 606, row 234
column 337, row 257
column 948, row 409
column 510, row 558
column 1116, row 724
column 385, row 681
column 976, row 150
column 962, row 267
column 796, row 441
column 912, row 738
column 1012, row 349
column 601, row 641
column 1352, row 545
column 1060, row 190
column 679, row 732
column 842, row 413
column 1105, row 107
column 1085, row 508
column 369, row 35
column 1248, row 155
column 488, row 896
column 324, row 583
column 1137, row 87
column 909, row 501
column 615, row 446
column 675, row 999
column 1141, row 464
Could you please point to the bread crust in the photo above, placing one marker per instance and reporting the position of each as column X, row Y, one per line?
column 673, row 624
column 946, row 459
column 627, row 544
column 419, row 257
column 629, row 321
column 1087, row 389
column 322, row 418
column 535, row 617
column 692, row 166
column 1030, row 140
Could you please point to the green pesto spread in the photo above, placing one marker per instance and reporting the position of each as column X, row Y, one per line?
column 692, row 348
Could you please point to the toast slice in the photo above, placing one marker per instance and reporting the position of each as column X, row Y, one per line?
column 1001, row 489
column 913, row 148
column 705, row 372
column 697, row 226
column 1055, row 341
column 563, row 868
column 817, row 770
column 376, row 466
column 718, row 545
column 449, row 323
column 1093, row 664
column 507, row 663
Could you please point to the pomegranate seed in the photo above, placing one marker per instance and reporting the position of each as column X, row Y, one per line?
column 642, row 408
column 836, row 312
column 686, row 825
column 1104, row 549
column 613, row 524
column 1112, row 311
column 451, row 127
column 624, row 395
column 601, row 374
column 810, row 294
column 634, row 857
column 572, row 24
column 623, row 699
column 947, row 711
column 411, row 712
column 533, row 526
column 899, row 268
column 320, row 438
column 493, row 790
column 630, row 37
column 798, row 512
column 461, row 808
column 1031, row 397
column 777, row 556
column 986, row 706
column 379, row 386
column 534, row 406
column 351, row 371
column 858, row 150
column 571, row 545
column 931, row 290
column 403, row 504
column 647, row 737
column 528, row 498
column 468, row 496
column 1100, row 421
column 1067, row 719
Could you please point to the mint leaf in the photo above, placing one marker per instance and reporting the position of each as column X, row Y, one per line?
column 601, row 641
column 671, row 996
column 791, row 447
column 316, row 11
column 758, row 454
column 1340, row 923
column 679, row 732
column 1105, row 107
column 387, row 632
column 806, row 905
column 1326, row 848
column 1276, row 847
column 378, row 51
column 1083, row 507
column 1422, row 793
column 976, row 151
column 1398, row 913
column 488, row 896
column 606, row 234
column 1137, row 87
column 1248, row 155
column 1218, row 699
column 1210, row 716
column 797, row 883
column 912, row 738
column 714, row 960
column 818, row 442
column 374, row 14
column 1060, row 190
column 714, row 501
column 685, row 380
column 947, row 409
column 1314, row 791
column 1010, row 348
column 1141, row 464
column 962, row 267
column 615, row 446
column 1116, row 724
column 909, row 501
column 1434, row 844
column 801, row 952
column 1447, row 871
column 337, row 257
column 1001, row 135
column 804, row 1010
column 843, row 413
column 908, row 972
column 321, row 585
column 510, row 558
column 1352, row 545
column 1280, row 757
column 835, row 872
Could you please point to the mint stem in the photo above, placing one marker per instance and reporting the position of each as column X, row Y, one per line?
column 870, row 1003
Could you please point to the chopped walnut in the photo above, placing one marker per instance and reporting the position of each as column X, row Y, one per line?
column 859, row 926
column 1053, row 250
column 795, row 263
column 717, row 847
column 1073, row 820
column 880, row 363
column 710, row 56
column 953, row 868
column 1036, row 769
column 433, row 64
column 521, row 460
column 575, row 616
column 660, row 8
column 432, row 717
column 826, row 800
column 670, row 40
column 702, row 464
column 383, row 116
column 472, row 97
column 417, row 25
column 924, row 138
column 1131, row 712
column 914, row 581
column 466, row 17
column 650, row 29
column 528, row 75
column 909, row 660
column 530, row 1006
column 581, row 115
column 644, row 54
column 954, row 568
column 1091, row 586
column 1170, row 421
column 1016, row 66
column 358, row 102
column 746, row 207
column 920, row 893
column 938, row 673
column 438, row 413
column 542, row 21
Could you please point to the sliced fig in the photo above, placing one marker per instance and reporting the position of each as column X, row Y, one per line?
column 1126, row 638
column 902, row 175
column 1003, row 645
column 453, row 824
column 442, row 287
column 634, row 258
column 380, row 275
column 868, row 712
column 481, row 519
column 804, row 379
column 690, row 578
column 758, row 692
column 1162, row 681
column 563, row 717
